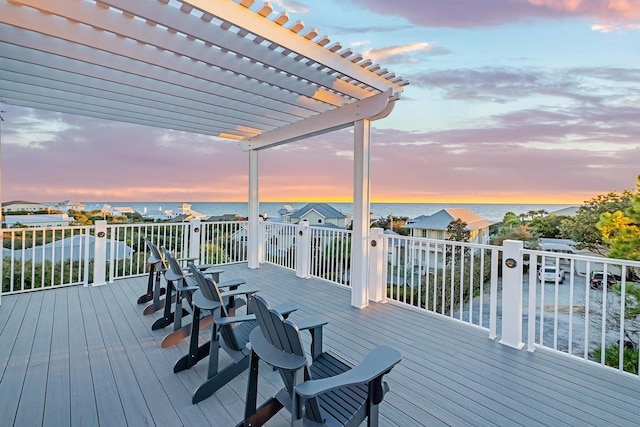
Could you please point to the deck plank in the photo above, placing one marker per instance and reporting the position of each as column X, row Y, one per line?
column 104, row 366
column 31, row 409
column 57, row 411
column 83, row 401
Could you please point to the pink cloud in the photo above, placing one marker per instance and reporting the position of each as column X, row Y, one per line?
column 474, row 13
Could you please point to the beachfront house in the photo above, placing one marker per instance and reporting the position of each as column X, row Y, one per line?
column 435, row 226
column 23, row 206
column 67, row 205
column 320, row 214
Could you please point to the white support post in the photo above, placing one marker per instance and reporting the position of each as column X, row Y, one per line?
column 100, row 254
column 194, row 239
column 253, row 233
column 512, row 294
column 361, row 214
column 303, row 249
column 377, row 257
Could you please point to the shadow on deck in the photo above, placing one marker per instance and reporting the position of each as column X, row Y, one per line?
column 87, row 356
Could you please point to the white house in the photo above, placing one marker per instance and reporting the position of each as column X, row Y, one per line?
column 38, row 220
column 435, row 226
column 67, row 205
column 319, row 214
column 24, row 206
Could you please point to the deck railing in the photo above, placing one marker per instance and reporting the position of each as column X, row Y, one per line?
column 279, row 244
column 494, row 288
column 591, row 319
column 453, row 279
column 36, row 258
column 40, row 258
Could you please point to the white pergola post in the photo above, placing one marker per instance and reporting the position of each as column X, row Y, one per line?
column 253, row 233
column 361, row 214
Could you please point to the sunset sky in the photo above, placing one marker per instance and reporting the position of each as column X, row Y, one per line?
column 510, row 101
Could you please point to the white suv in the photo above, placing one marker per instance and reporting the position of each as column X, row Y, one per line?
column 550, row 273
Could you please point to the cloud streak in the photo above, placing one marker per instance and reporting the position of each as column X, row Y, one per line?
column 489, row 13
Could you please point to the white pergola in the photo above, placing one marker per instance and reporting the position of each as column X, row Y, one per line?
column 225, row 68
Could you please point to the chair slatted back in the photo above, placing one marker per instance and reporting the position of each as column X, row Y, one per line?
column 174, row 270
column 285, row 336
column 211, row 291
column 155, row 258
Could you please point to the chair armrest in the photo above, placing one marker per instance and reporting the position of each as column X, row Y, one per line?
column 187, row 259
column 231, row 283
column 242, row 291
column 286, row 308
column 221, row 321
column 377, row 363
column 312, row 322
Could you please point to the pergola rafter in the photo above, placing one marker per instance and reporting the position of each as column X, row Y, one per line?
column 225, row 68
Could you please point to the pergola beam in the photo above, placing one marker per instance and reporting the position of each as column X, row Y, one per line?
column 374, row 107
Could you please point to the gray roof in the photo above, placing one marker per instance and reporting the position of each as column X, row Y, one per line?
column 441, row 220
column 323, row 209
column 568, row 211
column 68, row 248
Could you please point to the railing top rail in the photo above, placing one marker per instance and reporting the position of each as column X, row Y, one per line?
column 442, row 242
column 578, row 257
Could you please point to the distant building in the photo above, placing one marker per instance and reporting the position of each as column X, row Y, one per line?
column 71, row 248
column 419, row 258
column 317, row 214
column 67, row 205
column 24, row 206
column 435, row 226
column 38, row 220
column 187, row 214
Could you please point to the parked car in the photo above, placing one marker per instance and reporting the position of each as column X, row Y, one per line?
column 550, row 273
column 597, row 277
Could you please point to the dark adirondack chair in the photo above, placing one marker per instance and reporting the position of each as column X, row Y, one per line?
column 327, row 392
column 229, row 331
column 181, row 281
column 156, row 268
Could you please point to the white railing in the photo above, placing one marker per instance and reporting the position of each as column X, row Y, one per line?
column 330, row 255
column 126, row 252
column 589, row 319
column 39, row 258
column 279, row 243
column 453, row 279
column 223, row 242
column 494, row 288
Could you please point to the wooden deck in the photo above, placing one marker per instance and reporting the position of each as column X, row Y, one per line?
column 87, row 357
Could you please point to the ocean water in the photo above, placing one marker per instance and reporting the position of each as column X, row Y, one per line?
column 493, row 212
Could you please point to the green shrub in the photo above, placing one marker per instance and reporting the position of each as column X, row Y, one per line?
column 612, row 357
